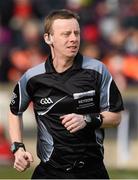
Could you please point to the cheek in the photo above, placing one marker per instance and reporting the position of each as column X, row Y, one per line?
column 60, row 42
column 78, row 41
column 57, row 44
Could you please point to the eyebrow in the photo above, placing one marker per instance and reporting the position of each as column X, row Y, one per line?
column 68, row 31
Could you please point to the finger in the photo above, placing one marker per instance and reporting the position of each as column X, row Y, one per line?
column 19, row 167
column 24, row 160
column 74, row 130
column 69, row 123
column 62, row 117
column 72, row 126
column 67, row 115
column 65, row 120
column 29, row 157
column 22, row 164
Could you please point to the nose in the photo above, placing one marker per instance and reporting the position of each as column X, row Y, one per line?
column 73, row 37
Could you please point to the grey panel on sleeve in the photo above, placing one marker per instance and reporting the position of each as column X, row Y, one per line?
column 105, row 89
column 99, row 134
column 106, row 79
column 94, row 64
column 24, row 97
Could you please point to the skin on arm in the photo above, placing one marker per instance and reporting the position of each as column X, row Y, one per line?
column 111, row 119
column 22, row 158
column 74, row 122
column 15, row 127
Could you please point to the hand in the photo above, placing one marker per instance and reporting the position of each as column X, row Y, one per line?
column 73, row 122
column 22, row 160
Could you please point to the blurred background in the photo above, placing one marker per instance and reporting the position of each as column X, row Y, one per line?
column 109, row 32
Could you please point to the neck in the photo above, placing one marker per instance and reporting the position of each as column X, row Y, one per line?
column 62, row 64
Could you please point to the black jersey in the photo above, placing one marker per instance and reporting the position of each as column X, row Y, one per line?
column 86, row 87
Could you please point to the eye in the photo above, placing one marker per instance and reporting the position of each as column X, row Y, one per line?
column 77, row 33
column 66, row 34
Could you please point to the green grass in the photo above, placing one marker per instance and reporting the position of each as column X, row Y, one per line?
column 123, row 174
column 10, row 173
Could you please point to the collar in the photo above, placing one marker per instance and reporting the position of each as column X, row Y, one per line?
column 77, row 64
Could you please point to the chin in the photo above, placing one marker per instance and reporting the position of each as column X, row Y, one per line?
column 73, row 54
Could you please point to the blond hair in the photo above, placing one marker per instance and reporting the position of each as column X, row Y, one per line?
column 58, row 14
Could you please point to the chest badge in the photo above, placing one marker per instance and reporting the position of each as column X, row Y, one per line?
column 46, row 101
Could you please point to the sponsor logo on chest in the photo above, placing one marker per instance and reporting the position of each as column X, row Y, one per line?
column 84, row 99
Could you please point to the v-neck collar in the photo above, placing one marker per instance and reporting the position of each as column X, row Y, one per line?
column 77, row 64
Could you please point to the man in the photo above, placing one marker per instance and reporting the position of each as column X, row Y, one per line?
column 74, row 98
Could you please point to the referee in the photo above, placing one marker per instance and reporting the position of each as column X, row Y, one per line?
column 74, row 99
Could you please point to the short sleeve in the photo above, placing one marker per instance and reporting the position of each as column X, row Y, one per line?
column 20, row 98
column 110, row 96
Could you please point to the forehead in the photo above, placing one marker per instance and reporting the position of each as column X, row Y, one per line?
column 65, row 25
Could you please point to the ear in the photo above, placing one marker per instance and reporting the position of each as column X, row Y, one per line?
column 48, row 39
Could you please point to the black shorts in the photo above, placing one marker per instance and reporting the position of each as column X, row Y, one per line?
column 79, row 171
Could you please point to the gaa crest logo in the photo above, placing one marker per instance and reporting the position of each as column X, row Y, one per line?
column 46, row 101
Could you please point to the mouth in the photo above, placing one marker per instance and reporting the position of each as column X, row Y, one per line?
column 72, row 47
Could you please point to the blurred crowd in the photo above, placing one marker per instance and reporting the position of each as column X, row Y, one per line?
column 6, row 156
column 109, row 32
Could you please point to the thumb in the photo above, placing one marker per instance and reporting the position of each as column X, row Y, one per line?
column 29, row 156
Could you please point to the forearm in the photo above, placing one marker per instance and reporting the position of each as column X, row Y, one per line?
column 15, row 128
column 74, row 122
column 110, row 119
column 105, row 119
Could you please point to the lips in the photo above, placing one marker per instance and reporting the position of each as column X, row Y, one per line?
column 72, row 47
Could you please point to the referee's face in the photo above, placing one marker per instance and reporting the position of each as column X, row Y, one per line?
column 66, row 37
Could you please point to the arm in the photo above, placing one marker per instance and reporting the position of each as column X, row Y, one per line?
column 15, row 128
column 110, row 119
column 22, row 157
column 111, row 105
column 19, row 102
column 74, row 122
